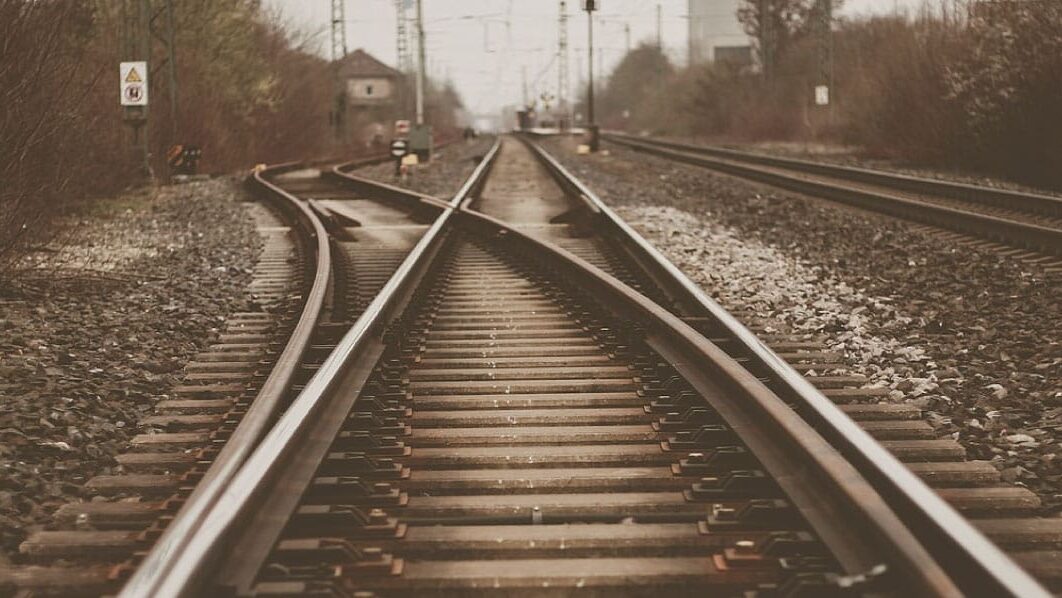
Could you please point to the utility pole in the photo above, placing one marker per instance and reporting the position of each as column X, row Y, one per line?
column 339, row 30
column 523, row 78
column 562, row 65
column 404, row 54
column 767, row 39
column 136, row 46
column 171, row 63
column 339, row 52
column 405, row 61
column 825, row 76
column 590, row 6
column 627, row 35
column 421, row 62
column 659, row 28
column 420, row 137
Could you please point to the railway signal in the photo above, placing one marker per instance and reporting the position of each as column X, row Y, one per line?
column 399, row 150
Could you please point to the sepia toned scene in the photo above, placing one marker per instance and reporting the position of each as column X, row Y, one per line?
column 550, row 298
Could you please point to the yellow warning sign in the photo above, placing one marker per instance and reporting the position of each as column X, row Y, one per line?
column 133, row 77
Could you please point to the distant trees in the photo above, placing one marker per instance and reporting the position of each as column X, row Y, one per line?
column 632, row 94
column 982, row 91
column 444, row 108
column 1008, row 84
column 249, row 92
column 43, row 93
column 978, row 89
column 776, row 24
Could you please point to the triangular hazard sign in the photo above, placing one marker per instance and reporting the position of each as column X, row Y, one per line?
column 133, row 76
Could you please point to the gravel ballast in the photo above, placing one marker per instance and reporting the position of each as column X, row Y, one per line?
column 442, row 177
column 971, row 337
column 93, row 339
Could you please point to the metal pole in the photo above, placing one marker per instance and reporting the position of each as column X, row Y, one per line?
column 420, row 62
column 339, row 52
column 659, row 27
column 174, row 107
column 827, row 67
column 402, row 38
column 339, row 30
column 592, row 123
column 144, row 49
column 767, row 38
column 562, row 66
column 523, row 78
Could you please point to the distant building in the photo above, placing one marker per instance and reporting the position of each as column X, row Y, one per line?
column 716, row 35
column 369, row 82
column 375, row 96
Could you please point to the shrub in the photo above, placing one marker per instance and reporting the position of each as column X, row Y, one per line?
column 249, row 93
column 42, row 150
column 941, row 88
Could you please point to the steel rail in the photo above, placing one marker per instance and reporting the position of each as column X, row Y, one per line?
column 990, row 196
column 184, row 566
column 267, row 403
column 837, row 502
column 977, row 563
column 743, row 399
column 1010, row 231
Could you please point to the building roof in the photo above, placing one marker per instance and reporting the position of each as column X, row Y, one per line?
column 360, row 63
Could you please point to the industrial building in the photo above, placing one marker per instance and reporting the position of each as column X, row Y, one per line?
column 716, row 35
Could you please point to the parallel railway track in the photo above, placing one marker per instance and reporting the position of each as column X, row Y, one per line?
column 1018, row 219
column 509, row 415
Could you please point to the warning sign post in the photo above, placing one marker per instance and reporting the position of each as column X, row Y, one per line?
column 134, row 83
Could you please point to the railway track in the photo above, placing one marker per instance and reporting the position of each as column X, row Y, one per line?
column 1017, row 219
column 311, row 281
column 536, row 403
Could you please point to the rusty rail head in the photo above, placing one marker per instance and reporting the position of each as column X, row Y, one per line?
column 976, row 564
column 185, row 564
column 267, row 404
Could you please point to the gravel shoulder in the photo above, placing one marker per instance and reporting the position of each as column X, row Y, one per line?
column 443, row 176
column 94, row 336
column 969, row 336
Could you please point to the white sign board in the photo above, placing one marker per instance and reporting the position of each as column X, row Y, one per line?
column 822, row 95
column 134, row 80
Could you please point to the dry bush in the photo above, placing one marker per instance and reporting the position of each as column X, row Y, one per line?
column 248, row 93
column 41, row 45
column 732, row 101
column 982, row 93
column 891, row 78
column 1007, row 83
column 939, row 88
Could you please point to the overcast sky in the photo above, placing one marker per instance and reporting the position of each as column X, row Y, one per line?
column 483, row 45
